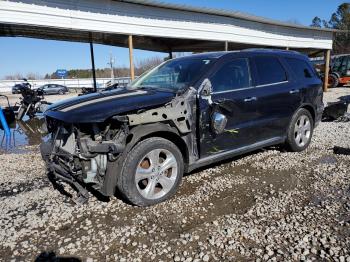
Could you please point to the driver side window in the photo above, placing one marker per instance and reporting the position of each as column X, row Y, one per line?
column 232, row 75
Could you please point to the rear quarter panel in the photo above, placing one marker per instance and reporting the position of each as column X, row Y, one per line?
column 311, row 89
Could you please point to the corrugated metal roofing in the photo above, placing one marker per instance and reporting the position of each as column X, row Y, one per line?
column 221, row 12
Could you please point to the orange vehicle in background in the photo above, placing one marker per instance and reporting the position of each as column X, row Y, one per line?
column 339, row 72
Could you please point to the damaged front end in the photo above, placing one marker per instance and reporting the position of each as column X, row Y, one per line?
column 87, row 154
column 78, row 153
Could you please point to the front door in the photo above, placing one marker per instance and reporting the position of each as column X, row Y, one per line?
column 234, row 96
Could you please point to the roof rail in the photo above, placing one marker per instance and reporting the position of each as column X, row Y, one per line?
column 271, row 50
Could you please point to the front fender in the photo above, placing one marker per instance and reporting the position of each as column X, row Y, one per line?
column 141, row 131
column 135, row 135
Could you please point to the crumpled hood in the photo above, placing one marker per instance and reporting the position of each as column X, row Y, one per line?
column 97, row 107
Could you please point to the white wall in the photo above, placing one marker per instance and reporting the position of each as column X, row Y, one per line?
column 6, row 85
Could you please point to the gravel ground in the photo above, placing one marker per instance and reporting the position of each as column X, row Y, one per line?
column 267, row 205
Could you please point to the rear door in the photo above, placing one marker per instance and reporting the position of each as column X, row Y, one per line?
column 278, row 97
column 233, row 95
column 310, row 85
column 54, row 89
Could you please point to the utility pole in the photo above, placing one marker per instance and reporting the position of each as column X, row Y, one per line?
column 93, row 65
column 111, row 63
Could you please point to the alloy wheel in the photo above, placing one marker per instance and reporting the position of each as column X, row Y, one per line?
column 302, row 130
column 156, row 174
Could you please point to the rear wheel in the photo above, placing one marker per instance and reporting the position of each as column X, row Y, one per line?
column 152, row 172
column 300, row 131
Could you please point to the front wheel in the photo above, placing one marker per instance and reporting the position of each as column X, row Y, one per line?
column 152, row 172
column 300, row 131
column 333, row 81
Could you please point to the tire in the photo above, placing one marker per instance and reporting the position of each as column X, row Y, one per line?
column 149, row 186
column 333, row 81
column 300, row 131
column 61, row 92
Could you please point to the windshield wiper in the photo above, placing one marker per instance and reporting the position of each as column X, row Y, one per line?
column 154, row 87
column 148, row 87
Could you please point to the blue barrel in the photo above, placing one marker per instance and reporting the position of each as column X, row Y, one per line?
column 4, row 123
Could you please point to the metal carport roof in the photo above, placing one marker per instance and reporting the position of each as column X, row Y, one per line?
column 155, row 26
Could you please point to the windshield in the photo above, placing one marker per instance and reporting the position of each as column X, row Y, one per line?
column 174, row 74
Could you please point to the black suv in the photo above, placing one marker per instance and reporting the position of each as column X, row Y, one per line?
column 186, row 113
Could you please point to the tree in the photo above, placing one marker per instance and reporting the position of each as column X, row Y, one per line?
column 140, row 67
column 316, row 22
column 147, row 64
column 16, row 76
column 339, row 20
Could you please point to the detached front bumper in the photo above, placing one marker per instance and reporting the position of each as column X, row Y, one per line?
column 319, row 113
column 79, row 161
column 46, row 153
column 57, row 173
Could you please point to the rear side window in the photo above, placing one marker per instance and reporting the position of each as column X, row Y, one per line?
column 270, row 70
column 232, row 75
column 300, row 68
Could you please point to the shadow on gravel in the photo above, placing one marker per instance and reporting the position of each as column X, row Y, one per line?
column 51, row 257
column 341, row 150
column 58, row 186
column 10, row 189
column 61, row 188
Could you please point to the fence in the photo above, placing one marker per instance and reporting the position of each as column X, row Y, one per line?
column 6, row 85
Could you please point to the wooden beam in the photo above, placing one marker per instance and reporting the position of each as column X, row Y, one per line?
column 315, row 54
column 131, row 58
column 327, row 57
column 226, row 46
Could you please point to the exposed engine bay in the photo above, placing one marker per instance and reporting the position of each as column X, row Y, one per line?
column 79, row 153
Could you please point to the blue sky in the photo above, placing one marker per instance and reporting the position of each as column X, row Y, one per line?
column 24, row 55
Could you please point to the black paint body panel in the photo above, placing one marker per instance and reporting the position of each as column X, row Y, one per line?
column 97, row 107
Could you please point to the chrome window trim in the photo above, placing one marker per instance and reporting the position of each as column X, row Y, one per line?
column 233, row 90
column 250, row 87
column 272, row 84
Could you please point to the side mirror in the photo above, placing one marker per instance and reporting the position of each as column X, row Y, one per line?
column 219, row 122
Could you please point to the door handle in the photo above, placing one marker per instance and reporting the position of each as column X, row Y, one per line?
column 294, row 91
column 223, row 100
column 250, row 99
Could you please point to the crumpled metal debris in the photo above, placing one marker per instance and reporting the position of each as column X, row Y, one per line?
column 335, row 111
